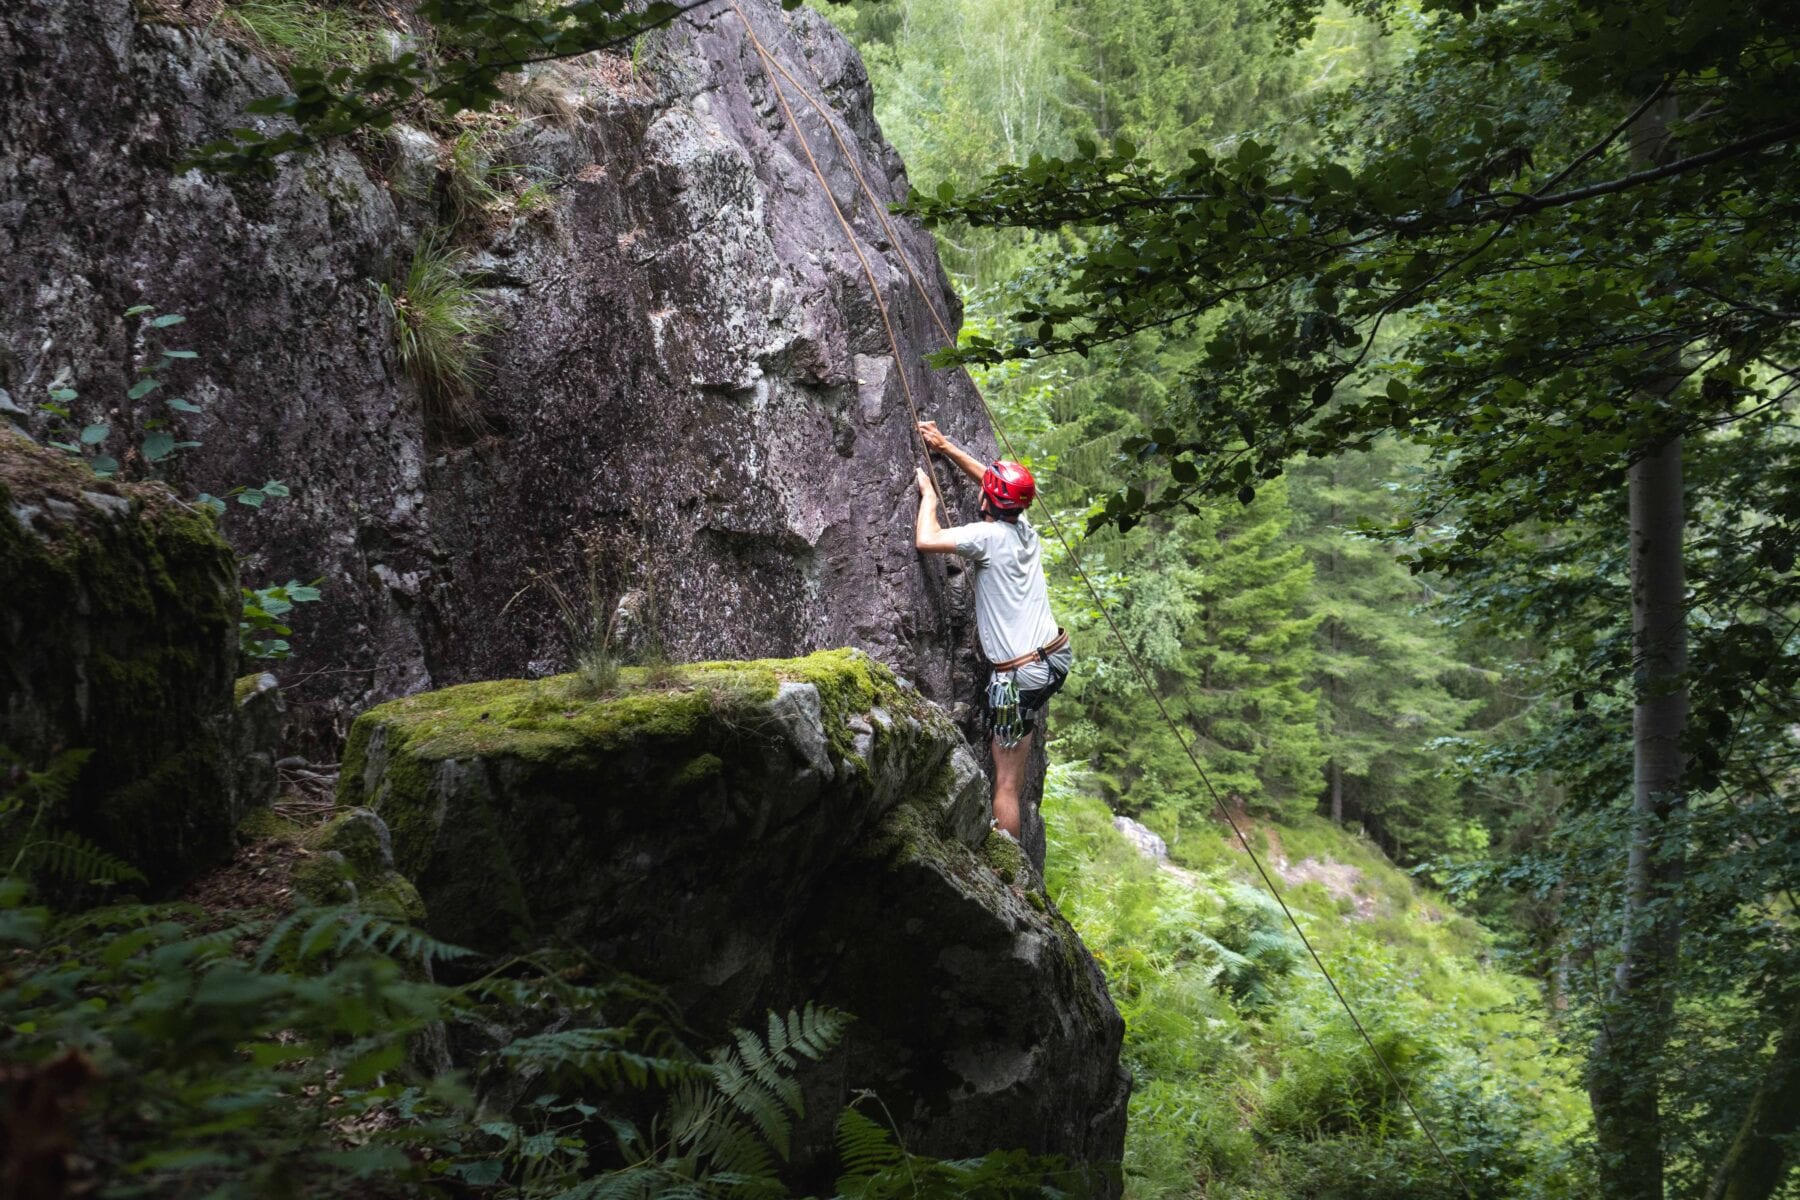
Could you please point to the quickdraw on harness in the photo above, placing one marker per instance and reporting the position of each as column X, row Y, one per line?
column 1008, row 720
column 1003, row 701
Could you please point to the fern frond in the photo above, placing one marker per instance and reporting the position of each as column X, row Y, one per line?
column 630, row 1183
column 865, row 1146
column 338, row 930
column 73, row 859
column 766, row 1109
column 594, row 1053
column 816, row 1030
column 738, row 1157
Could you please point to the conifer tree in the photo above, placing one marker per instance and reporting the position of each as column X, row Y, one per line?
column 1380, row 664
column 1216, row 610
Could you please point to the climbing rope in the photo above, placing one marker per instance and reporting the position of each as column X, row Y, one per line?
column 772, row 68
column 887, row 323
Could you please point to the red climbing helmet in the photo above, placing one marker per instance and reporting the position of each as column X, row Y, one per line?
column 1008, row 486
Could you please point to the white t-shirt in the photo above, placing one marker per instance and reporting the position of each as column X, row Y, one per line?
column 1012, row 601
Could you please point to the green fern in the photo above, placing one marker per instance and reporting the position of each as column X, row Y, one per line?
column 311, row 934
column 755, row 1076
column 602, row 1055
column 35, row 850
column 877, row 1167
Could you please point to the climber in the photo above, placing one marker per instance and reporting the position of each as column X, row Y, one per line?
column 1028, row 651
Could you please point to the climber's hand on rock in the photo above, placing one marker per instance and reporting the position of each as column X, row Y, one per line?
column 935, row 440
column 926, row 487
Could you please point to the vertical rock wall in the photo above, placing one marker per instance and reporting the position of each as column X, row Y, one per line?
column 690, row 378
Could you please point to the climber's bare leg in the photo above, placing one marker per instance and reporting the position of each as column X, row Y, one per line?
column 1009, row 773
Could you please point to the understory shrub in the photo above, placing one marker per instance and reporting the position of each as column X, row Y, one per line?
column 1250, row 1082
column 171, row 1050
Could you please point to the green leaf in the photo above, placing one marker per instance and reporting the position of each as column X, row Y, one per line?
column 96, row 433
column 182, row 406
column 63, row 394
column 158, row 446
column 166, row 320
column 143, row 387
column 180, row 354
column 482, row 1172
column 138, row 310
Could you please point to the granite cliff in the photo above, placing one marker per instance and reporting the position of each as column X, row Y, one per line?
column 690, row 421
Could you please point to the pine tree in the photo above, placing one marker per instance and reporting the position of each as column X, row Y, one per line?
column 1215, row 609
column 1381, row 663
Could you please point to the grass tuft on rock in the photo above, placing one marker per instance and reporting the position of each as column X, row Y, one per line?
column 439, row 320
column 297, row 33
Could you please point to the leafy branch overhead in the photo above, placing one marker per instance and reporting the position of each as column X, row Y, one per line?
column 1478, row 258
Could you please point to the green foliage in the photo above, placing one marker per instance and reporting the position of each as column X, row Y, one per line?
column 1214, row 609
column 262, row 630
column 157, row 436
column 251, row 1053
column 876, row 1167
column 438, row 318
column 31, row 847
column 261, row 633
column 1534, row 243
column 1249, row 1080
column 1393, row 689
column 471, row 177
column 476, row 46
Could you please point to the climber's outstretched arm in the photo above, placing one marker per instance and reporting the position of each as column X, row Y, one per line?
column 928, row 534
column 971, row 466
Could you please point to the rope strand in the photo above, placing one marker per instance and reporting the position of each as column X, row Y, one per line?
column 912, row 407
column 770, row 64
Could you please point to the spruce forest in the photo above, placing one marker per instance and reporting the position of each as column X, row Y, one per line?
column 480, row 720
column 1420, row 380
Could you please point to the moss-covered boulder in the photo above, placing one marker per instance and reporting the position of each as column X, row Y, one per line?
column 350, row 859
column 118, row 634
column 756, row 835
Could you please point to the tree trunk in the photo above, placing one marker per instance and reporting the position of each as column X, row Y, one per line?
column 1337, row 791
column 1756, row 1163
column 1624, row 1076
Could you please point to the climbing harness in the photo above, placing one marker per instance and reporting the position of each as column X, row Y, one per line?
column 1041, row 654
column 772, row 68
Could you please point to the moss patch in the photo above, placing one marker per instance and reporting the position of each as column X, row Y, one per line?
column 1006, row 857
column 541, row 763
column 536, row 719
column 240, row 691
column 118, row 623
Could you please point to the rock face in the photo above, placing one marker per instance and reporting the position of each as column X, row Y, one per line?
column 690, row 385
column 754, row 835
column 118, row 636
